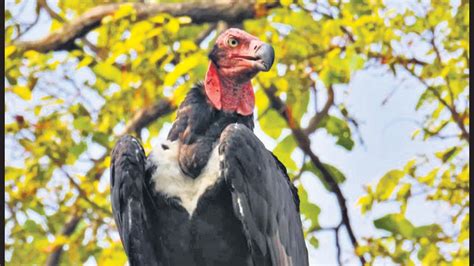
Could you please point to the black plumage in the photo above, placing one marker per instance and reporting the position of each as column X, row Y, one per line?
column 249, row 217
column 264, row 199
column 197, row 126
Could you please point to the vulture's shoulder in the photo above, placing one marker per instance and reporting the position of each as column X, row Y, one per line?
column 194, row 113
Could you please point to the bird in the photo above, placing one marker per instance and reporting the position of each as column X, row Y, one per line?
column 211, row 193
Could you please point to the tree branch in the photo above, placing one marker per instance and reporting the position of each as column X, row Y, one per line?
column 304, row 144
column 147, row 115
column 68, row 229
column 51, row 12
column 314, row 122
column 200, row 12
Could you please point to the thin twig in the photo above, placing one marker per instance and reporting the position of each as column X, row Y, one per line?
column 29, row 27
column 84, row 194
column 454, row 114
column 316, row 119
column 338, row 244
column 302, row 169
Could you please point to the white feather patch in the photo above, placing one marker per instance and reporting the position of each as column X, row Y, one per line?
column 170, row 180
column 129, row 214
column 241, row 210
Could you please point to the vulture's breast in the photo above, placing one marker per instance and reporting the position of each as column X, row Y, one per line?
column 169, row 180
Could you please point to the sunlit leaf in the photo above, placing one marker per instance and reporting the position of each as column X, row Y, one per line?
column 365, row 202
column 387, row 184
column 108, row 72
column 309, row 210
column 272, row 123
column 447, row 154
column 429, row 231
column 396, row 224
column 283, row 152
column 22, row 91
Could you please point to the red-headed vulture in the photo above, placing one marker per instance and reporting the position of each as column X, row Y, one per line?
column 211, row 194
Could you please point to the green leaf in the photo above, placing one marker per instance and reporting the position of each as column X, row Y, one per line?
column 272, row 123
column 354, row 60
column 309, row 210
column 101, row 138
column 297, row 101
column 283, row 152
column 404, row 191
column 338, row 128
column 83, row 123
column 314, row 242
column 338, row 175
column 108, row 72
column 426, row 96
column 30, row 226
column 78, row 149
column 429, row 231
column 333, row 171
column 429, row 254
column 387, row 184
column 397, row 224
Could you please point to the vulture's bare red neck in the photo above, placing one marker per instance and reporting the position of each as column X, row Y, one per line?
column 227, row 94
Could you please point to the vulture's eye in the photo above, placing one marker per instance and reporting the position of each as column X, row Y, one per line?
column 232, row 42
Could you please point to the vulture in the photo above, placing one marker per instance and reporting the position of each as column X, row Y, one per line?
column 211, row 193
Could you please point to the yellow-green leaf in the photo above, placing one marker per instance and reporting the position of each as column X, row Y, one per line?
column 108, row 72
column 22, row 91
column 387, row 184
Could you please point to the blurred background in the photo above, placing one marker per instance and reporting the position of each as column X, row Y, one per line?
column 378, row 88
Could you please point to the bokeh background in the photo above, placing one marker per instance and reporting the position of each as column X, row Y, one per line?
column 377, row 92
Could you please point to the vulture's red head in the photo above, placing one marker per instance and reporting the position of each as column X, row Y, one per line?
column 235, row 59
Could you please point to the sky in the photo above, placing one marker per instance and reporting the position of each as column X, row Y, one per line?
column 385, row 129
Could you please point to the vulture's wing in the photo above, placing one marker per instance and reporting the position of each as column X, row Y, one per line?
column 130, row 200
column 264, row 199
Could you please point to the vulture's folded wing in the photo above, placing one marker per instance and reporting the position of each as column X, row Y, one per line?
column 130, row 200
column 264, row 199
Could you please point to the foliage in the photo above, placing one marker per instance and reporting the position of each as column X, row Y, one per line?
column 442, row 177
column 65, row 110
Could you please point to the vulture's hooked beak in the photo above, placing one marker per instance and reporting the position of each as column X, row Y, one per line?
column 265, row 56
